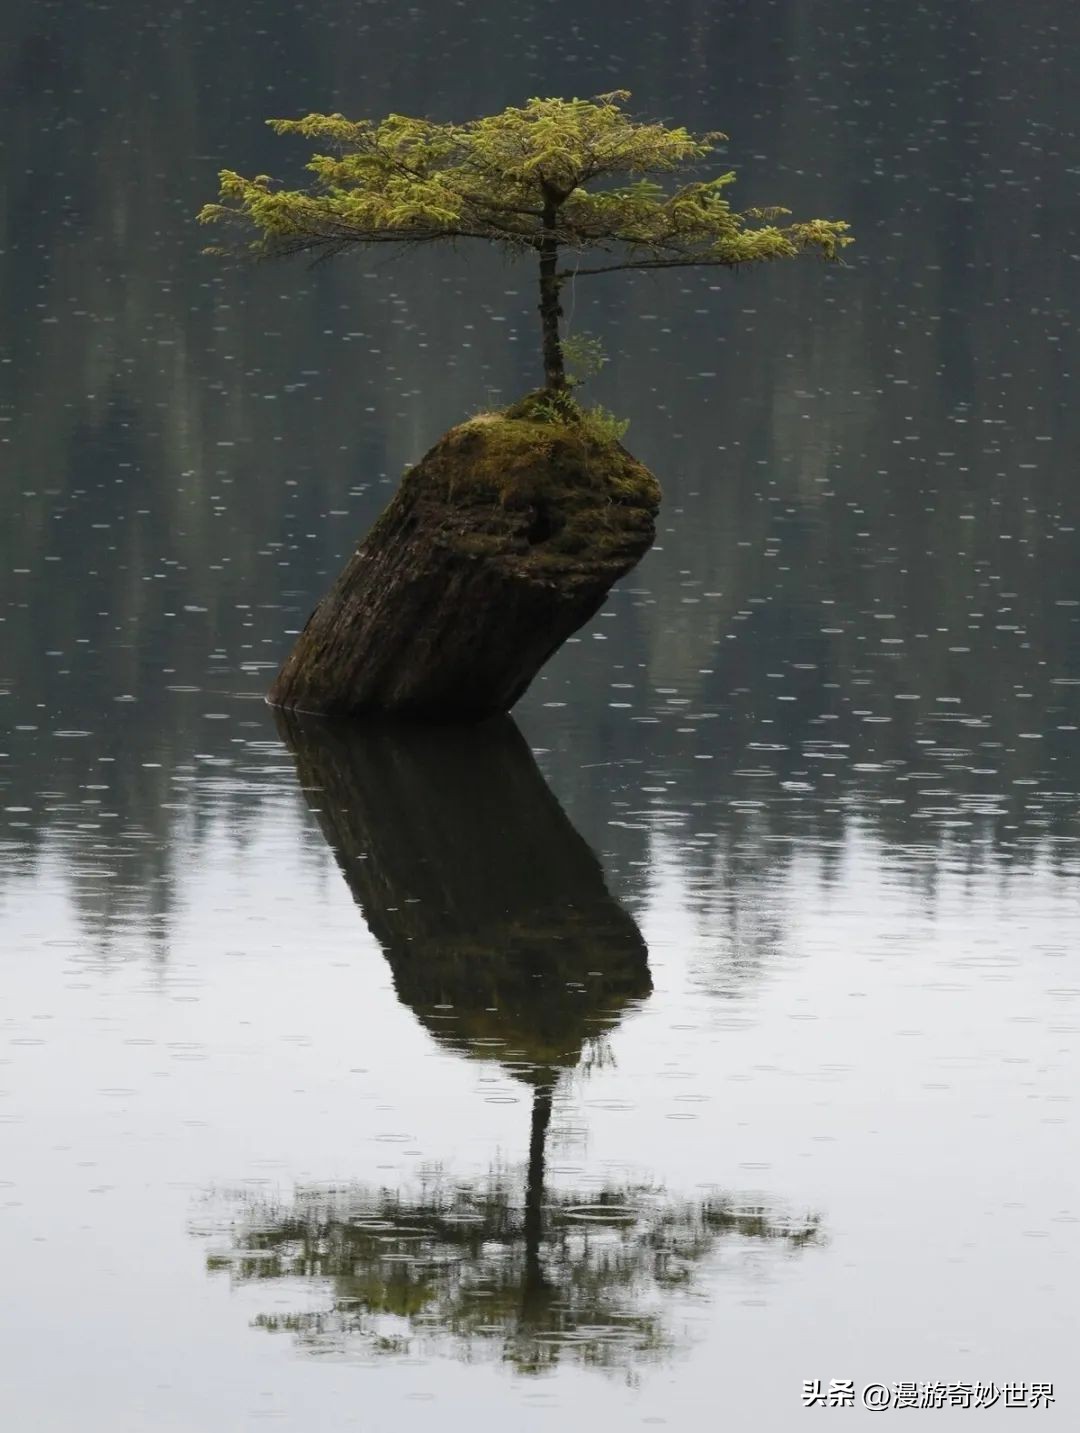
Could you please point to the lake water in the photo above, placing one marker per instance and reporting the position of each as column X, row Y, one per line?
column 716, row 1027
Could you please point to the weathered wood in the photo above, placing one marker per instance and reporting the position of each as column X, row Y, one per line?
column 499, row 544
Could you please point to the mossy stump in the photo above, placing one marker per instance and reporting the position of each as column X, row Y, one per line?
column 502, row 541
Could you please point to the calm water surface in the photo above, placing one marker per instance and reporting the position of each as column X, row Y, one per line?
column 715, row 1026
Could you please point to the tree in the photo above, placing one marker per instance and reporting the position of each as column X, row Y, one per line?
column 545, row 179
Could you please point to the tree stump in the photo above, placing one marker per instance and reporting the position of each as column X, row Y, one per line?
column 501, row 542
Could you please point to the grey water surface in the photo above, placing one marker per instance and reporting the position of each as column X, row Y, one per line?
column 711, row 1027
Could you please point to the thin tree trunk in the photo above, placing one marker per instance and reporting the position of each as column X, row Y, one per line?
column 550, row 307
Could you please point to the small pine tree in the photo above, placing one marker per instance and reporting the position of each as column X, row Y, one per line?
column 551, row 178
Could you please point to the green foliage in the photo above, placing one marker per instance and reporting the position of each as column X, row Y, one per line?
column 580, row 174
column 584, row 355
column 543, row 406
column 560, row 409
column 603, row 424
column 548, row 176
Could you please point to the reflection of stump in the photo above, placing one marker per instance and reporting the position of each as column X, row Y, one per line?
column 499, row 544
column 491, row 909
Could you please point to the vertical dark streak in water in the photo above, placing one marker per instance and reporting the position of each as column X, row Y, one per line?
column 535, row 1290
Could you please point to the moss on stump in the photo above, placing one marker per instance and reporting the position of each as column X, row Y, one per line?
column 501, row 542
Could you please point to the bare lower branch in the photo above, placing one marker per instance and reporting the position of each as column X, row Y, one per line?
column 702, row 263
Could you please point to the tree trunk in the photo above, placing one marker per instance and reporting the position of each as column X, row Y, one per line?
column 499, row 544
column 550, row 307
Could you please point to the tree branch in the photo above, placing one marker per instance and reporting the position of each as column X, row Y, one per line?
column 702, row 263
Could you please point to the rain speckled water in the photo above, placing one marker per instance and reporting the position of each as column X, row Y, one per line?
column 711, row 1027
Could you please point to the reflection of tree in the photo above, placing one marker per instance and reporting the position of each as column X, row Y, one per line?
column 504, row 941
column 471, row 1269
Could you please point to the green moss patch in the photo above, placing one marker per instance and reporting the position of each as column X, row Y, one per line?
column 542, row 483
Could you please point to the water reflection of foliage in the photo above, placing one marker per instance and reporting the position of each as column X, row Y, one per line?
column 457, row 1269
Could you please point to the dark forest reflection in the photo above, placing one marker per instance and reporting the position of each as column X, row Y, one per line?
column 504, row 941
column 867, row 571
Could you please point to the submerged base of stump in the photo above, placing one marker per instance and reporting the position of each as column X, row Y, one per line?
column 501, row 542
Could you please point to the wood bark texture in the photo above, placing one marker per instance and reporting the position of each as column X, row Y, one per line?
column 502, row 541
